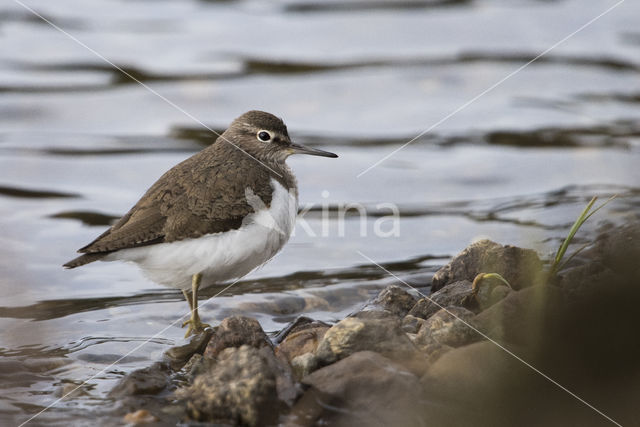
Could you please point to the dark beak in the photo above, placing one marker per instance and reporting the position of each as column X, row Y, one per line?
column 301, row 149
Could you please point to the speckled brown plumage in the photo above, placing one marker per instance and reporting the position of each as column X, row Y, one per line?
column 204, row 194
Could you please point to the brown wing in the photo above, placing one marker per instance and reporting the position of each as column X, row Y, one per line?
column 202, row 195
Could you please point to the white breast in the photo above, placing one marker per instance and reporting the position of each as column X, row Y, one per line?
column 221, row 256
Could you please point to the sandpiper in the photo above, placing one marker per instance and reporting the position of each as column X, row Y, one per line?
column 214, row 217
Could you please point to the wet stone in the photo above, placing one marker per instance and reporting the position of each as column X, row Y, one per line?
column 241, row 388
column 520, row 267
column 454, row 294
column 375, row 315
column 71, row 391
column 146, row 381
column 300, row 322
column 520, row 315
column 393, row 299
column 619, row 249
column 363, row 389
column 236, row 331
column 304, row 364
column 411, row 324
column 197, row 365
column 301, row 339
column 487, row 292
column 447, row 327
column 179, row 355
column 141, row 416
column 351, row 335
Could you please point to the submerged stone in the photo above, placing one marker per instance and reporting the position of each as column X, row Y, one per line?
column 150, row 380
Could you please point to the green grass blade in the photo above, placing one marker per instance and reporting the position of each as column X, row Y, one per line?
column 584, row 216
column 572, row 232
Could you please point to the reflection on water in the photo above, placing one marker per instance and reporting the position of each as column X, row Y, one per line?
column 81, row 141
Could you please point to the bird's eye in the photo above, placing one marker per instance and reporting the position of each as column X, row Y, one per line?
column 264, row 136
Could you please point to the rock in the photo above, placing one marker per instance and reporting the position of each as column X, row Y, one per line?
column 352, row 335
column 197, row 365
column 241, row 388
column 520, row 267
column 454, row 294
column 462, row 294
column 302, row 338
column 589, row 346
column 498, row 293
column 151, row 380
column 411, row 324
column 522, row 315
column 471, row 385
column 362, row 389
column 236, row 331
column 71, row 391
column 582, row 280
column 304, row 364
column 393, row 300
column 179, row 355
column 287, row 388
column 301, row 322
column 619, row 249
column 141, row 416
column 375, row 315
column 447, row 328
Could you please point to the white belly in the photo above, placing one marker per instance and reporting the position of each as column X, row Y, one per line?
column 221, row 256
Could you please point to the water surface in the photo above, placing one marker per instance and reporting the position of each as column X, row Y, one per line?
column 80, row 142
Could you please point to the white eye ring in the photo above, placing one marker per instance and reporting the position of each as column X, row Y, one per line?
column 264, row 135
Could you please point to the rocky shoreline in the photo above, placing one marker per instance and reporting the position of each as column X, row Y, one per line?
column 481, row 349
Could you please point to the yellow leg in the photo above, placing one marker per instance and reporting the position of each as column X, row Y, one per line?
column 187, row 296
column 195, row 324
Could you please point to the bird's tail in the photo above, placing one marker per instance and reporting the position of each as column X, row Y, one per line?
column 84, row 259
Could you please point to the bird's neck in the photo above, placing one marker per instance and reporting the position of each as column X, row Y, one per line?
column 283, row 174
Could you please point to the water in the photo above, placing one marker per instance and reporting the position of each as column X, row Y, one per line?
column 80, row 142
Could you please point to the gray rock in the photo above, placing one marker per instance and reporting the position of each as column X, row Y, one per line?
column 576, row 282
column 301, row 339
column 411, row 324
column 619, row 249
column 150, row 380
column 286, row 386
column 498, row 293
column 236, row 331
column 393, row 300
column 520, row 267
column 523, row 315
column 454, row 294
column 450, row 327
column 304, row 364
column 462, row 294
column 300, row 323
column 375, row 314
column 241, row 388
column 197, row 365
column 352, row 335
column 362, row 389
column 179, row 355
column 471, row 385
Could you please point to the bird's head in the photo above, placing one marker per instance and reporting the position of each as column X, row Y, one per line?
column 265, row 136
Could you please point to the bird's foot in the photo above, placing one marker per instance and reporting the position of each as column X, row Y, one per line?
column 195, row 326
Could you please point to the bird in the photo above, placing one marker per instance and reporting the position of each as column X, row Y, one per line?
column 214, row 217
